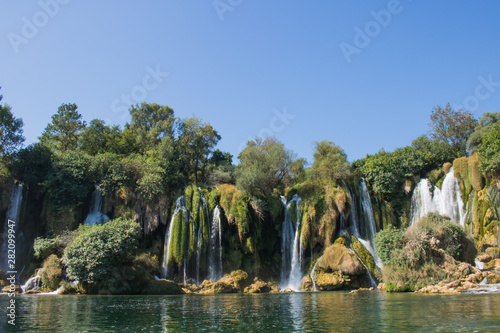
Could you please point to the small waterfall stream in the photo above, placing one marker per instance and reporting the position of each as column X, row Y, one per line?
column 215, row 250
column 11, row 227
column 96, row 216
column 179, row 205
column 291, row 249
column 312, row 276
column 369, row 227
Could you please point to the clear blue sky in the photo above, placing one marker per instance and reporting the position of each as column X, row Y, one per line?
column 241, row 64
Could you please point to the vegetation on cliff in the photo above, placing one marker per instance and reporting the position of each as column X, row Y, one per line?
column 143, row 168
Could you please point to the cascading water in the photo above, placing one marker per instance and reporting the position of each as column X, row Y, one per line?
column 95, row 215
column 368, row 273
column 179, row 205
column 369, row 227
column 312, row 277
column 291, row 249
column 215, row 250
column 33, row 283
column 445, row 201
column 12, row 221
column 353, row 217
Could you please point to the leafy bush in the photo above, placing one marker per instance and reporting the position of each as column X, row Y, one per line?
column 97, row 250
column 44, row 247
column 415, row 257
column 387, row 241
column 51, row 272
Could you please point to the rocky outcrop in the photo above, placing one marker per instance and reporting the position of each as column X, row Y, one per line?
column 259, row 286
column 162, row 287
column 230, row 283
column 338, row 268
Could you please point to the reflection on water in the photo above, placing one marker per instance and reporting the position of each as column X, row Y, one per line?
column 294, row 312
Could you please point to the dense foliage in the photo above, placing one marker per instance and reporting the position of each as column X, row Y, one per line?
column 267, row 165
column 97, row 252
column 452, row 126
column 11, row 131
column 417, row 256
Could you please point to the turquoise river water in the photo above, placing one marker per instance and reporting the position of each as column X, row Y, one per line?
column 295, row 312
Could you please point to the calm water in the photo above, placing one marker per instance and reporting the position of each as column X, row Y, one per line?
column 298, row 312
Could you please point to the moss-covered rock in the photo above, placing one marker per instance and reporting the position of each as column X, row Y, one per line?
column 258, row 286
column 338, row 258
column 330, row 281
column 306, row 284
column 230, row 283
column 51, row 272
column 363, row 254
column 162, row 287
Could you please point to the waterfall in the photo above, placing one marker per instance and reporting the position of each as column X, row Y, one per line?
column 369, row 226
column 451, row 198
column 368, row 273
column 445, row 201
column 33, row 283
column 215, row 250
column 353, row 217
column 312, row 276
column 179, row 205
column 291, row 252
column 95, row 215
column 12, row 221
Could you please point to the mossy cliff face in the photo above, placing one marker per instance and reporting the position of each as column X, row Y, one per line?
column 482, row 199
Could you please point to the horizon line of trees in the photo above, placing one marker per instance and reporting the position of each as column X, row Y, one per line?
column 157, row 153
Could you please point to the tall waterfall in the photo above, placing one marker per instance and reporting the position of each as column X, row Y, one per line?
column 445, row 201
column 291, row 246
column 95, row 215
column 215, row 250
column 12, row 221
column 179, row 206
column 368, row 227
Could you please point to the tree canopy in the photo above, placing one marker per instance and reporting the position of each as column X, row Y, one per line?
column 63, row 133
column 265, row 165
column 330, row 161
column 452, row 126
column 11, row 131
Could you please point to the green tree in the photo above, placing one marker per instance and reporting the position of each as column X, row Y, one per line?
column 11, row 131
column 330, row 161
column 68, row 183
column 489, row 150
column 221, row 168
column 63, row 133
column 265, row 164
column 433, row 153
column 196, row 142
column 32, row 165
column 151, row 123
column 452, row 126
column 482, row 129
column 99, row 138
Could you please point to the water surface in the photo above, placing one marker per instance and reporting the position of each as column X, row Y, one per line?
column 295, row 312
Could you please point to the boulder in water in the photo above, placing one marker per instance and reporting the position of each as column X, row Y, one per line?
column 258, row 286
column 338, row 258
column 162, row 287
column 230, row 283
